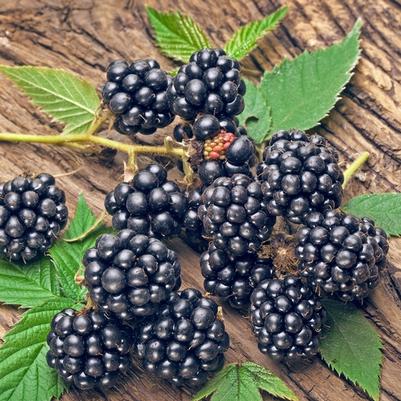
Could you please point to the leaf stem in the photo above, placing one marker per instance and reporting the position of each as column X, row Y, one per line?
column 354, row 167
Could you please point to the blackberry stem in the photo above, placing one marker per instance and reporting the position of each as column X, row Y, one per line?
column 354, row 167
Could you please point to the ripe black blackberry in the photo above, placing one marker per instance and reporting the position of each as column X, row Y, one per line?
column 32, row 214
column 210, row 84
column 130, row 275
column 185, row 342
column 149, row 204
column 300, row 174
column 340, row 254
column 286, row 318
column 233, row 279
column 234, row 216
column 137, row 95
column 87, row 349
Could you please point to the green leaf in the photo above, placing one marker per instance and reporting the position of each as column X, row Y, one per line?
column 351, row 347
column 244, row 382
column 24, row 373
column 383, row 208
column 177, row 35
column 245, row 38
column 256, row 115
column 65, row 96
column 29, row 285
column 302, row 91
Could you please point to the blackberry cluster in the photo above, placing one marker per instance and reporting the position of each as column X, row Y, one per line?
column 234, row 215
column 130, row 274
column 149, row 204
column 210, row 84
column 185, row 341
column 340, row 254
column 87, row 349
column 137, row 95
column 286, row 318
column 300, row 174
column 32, row 214
column 233, row 279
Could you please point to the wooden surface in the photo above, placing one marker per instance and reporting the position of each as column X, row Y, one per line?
column 84, row 35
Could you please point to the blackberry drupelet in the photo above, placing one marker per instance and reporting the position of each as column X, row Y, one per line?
column 233, row 279
column 234, row 216
column 286, row 318
column 137, row 95
column 149, row 204
column 130, row 275
column 87, row 349
column 32, row 214
column 300, row 174
column 210, row 83
column 340, row 254
column 185, row 342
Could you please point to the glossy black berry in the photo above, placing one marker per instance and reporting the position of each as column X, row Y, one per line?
column 88, row 349
column 185, row 342
column 149, row 204
column 210, row 83
column 130, row 274
column 341, row 255
column 234, row 216
column 286, row 318
column 32, row 214
column 300, row 174
column 182, row 132
column 137, row 95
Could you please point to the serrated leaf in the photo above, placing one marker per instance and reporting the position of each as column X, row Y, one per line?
column 256, row 115
column 63, row 95
column 383, row 208
column 29, row 285
column 351, row 347
column 243, row 382
column 245, row 38
column 302, row 91
column 24, row 373
column 177, row 35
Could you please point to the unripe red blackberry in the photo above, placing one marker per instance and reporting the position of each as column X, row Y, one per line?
column 149, row 204
column 300, row 174
column 130, row 275
column 185, row 342
column 286, row 318
column 233, row 279
column 340, row 254
column 88, row 349
column 32, row 214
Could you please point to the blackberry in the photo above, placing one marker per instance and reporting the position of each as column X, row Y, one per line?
column 300, row 174
column 32, row 214
column 231, row 278
column 88, row 349
column 185, row 342
column 286, row 318
column 182, row 132
column 149, row 204
column 340, row 254
column 210, row 84
column 130, row 275
column 234, row 215
column 137, row 95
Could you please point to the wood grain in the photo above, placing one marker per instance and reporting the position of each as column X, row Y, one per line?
column 85, row 35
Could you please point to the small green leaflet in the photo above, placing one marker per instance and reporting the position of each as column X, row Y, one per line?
column 245, row 38
column 351, row 347
column 24, row 373
column 256, row 115
column 177, row 35
column 244, row 382
column 383, row 208
column 65, row 96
